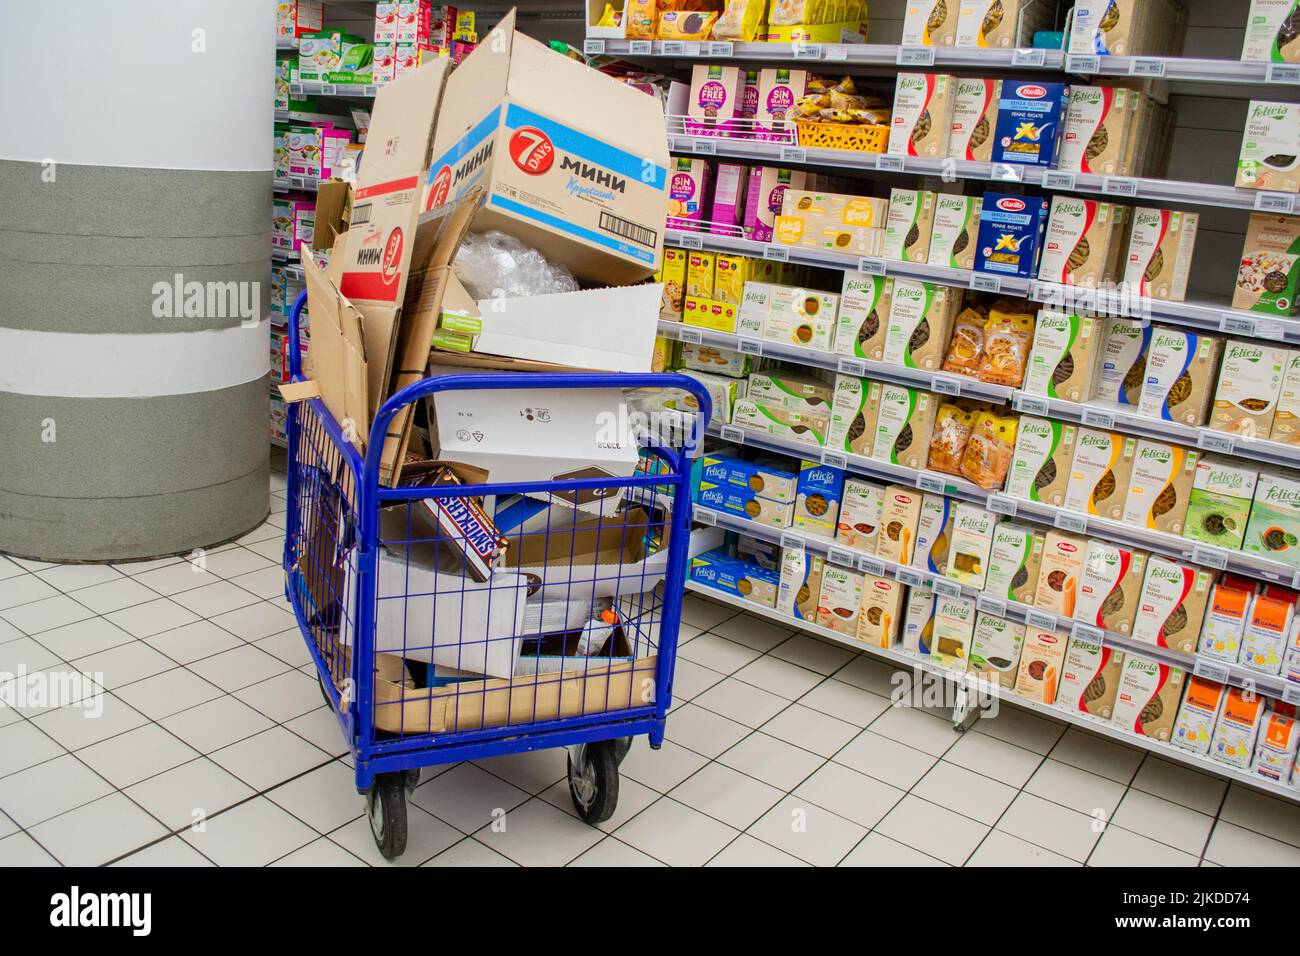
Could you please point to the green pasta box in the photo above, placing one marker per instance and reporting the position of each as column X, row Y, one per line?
column 1273, row 529
column 1219, row 505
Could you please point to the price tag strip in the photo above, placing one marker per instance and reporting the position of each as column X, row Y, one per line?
column 871, row 565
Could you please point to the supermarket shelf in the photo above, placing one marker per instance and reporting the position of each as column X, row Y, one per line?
column 1270, row 685
column 286, row 43
column 297, row 184
column 1093, row 724
column 889, row 54
column 1169, row 545
column 1123, row 188
column 1100, row 302
column 317, row 88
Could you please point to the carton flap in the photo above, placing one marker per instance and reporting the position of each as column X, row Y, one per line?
column 333, row 209
column 402, row 123
column 299, row 391
column 337, row 350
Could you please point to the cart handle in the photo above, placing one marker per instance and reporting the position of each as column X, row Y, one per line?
column 295, row 352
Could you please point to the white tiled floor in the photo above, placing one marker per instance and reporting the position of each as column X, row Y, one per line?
column 782, row 750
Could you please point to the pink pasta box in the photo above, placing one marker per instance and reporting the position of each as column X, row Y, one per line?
column 729, row 194
column 690, row 183
column 715, row 100
column 764, row 195
column 748, row 100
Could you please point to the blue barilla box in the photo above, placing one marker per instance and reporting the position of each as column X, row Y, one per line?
column 1030, row 115
column 1010, row 234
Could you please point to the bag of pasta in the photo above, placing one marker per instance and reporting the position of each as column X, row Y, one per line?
column 1007, row 335
column 741, row 21
column 639, row 19
column 988, row 452
column 952, row 429
column 966, row 347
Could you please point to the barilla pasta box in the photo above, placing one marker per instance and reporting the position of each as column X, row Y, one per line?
column 954, row 233
column 1237, row 727
column 1160, row 486
column 576, row 167
column 899, row 514
column 1041, row 658
column 995, row 649
column 1263, row 643
column 1275, row 749
column 882, row 609
column 1059, row 572
column 778, row 91
column 863, row 317
column 1063, row 357
column 715, row 100
column 859, row 517
column 764, row 197
column 1122, row 371
column 1273, row 530
column 1160, row 247
column 954, row 625
column 1219, row 507
column 933, row 533
column 974, row 113
column 840, row 603
column 1100, row 472
column 1028, row 129
column 1194, row 726
column 1014, row 560
column 1172, row 605
column 817, row 501
column 922, row 115
column 742, row 579
column 1110, row 586
column 1075, row 243
column 918, row 621
column 1225, row 623
column 1181, row 365
column 1010, row 234
column 1092, row 139
column 800, row 585
column 1084, row 676
column 1040, row 465
column 1148, row 697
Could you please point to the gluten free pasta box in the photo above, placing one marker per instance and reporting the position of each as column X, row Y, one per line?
column 1269, row 272
column 1273, row 530
column 1110, row 586
column 1148, row 697
column 1160, row 486
column 1100, row 473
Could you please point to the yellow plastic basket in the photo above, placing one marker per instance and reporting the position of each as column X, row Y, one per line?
column 847, row 136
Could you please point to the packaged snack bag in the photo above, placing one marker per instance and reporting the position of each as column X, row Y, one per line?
column 989, row 450
column 740, row 20
column 639, row 18
column 1006, row 344
column 966, row 347
column 952, row 430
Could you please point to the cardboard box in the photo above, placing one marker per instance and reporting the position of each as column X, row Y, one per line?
column 716, row 361
column 903, row 425
column 972, row 540
column 920, row 322
column 1286, row 420
column 908, row 225
column 1181, row 365
column 1110, row 586
column 817, row 502
column 690, row 189
column 1274, row 526
column 1237, row 728
column 1268, row 158
column 882, row 609
column 729, row 188
column 1225, row 623
column 1015, row 557
column 723, row 392
column 899, row 514
column 1010, row 234
column 1123, row 361
column 1042, row 656
column 1264, row 640
column 1147, row 702
column 742, row 579
column 863, row 316
column 853, row 415
column 954, row 235
column 860, row 514
column 764, row 197
column 744, row 503
column 1075, row 242
column 1194, row 726
column 1268, row 276
column 1040, row 466
column 929, row 23
column 918, row 621
column 764, row 553
column 801, row 583
column 778, row 90
column 974, row 113
column 803, row 317
column 1064, row 356
column 797, row 391
column 1172, row 605
column 1000, row 23
column 933, row 533
column 527, row 143
column 1159, row 261
column 954, row 627
column 1084, row 674
column 1028, row 129
column 1059, row 573
column 1250, row 382
column 1160, row 486
column 1100, row 473
column 840, row 604
column 1093, row 136
column 701, row 270
column 1219, row 506
column 922, row 115
column 1105, row 27
column 995, row 649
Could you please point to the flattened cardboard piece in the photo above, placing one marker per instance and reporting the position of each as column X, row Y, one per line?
column 333, row 210
column 338, row 350
column 447, row 363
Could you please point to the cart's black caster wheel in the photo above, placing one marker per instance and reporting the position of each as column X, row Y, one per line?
column 412, row 780
column 386, row 809
column 621, row 746
column 594, row 785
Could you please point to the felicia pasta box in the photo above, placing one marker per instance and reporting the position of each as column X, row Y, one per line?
column 1105, row 27
column 1274, row 526
column 1250, row 382
column 954, row 232
column 974, row 112
column 804, row 317
column 1225, row 623
column 778, row 90
column 1092, row 140
column 742, row 579
column 1172, row 605
column 1269, row 272
column 1272, row 35
column 1015, row 556
column 1075, row 244
column 1194, row 726
column 920, row 320
column 1100, row 473
column 995, row 649
column 800, row 584
column 781, row 423
column 954, row 625
column 1275, row 749
column 853, row 415
column 972, row 539
column 1058, row 574
column 903, row 425
column 1237, row 727
column 922, row 115
column 1160, row 486
column 1181, row 366
column 859, row 517
column 1110, row 586
column 1041, row 659
column 1161, row 242
column 929, row 23
column 1270, row 148
column 918, row 621
column 1081, row 672
column 899, row 515
column 933, row 533
column 1219, row 506
column 840, row 603
column 797, row 391
column 1286, row 418
column 908, row 225
column 1040, row 464
column 864, row 310
column 817, row 504
column 1001, row 23
column 1148, row 697
column 1124, row 345
column 1064, row 355
column 882, row 609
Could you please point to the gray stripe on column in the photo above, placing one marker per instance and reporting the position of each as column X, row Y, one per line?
column 133, row 478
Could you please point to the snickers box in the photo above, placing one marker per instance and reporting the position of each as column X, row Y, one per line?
column 459, row 519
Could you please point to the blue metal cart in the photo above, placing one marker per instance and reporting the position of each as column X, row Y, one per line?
column 568, row 640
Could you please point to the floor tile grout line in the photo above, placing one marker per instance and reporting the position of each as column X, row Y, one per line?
column 1042, row 760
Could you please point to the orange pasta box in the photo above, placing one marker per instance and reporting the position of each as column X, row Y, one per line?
column 1059, row 572
column 1110, row 586
column 1275, row 752
column 1194, row 728
column 1263, row 643
column 1090, row 677
column 1172, row 606
column 1237, row 727
column 1147, row 701
column 1041, row 660
column 1225, row 622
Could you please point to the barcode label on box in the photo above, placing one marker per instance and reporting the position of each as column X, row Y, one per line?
column 1275, row 202
column 930, row 483
column 839, row 556
column 1030, row 404
column 985, row 283
column 1209, row 557
column 1069, row 521
column 909, row 577
column 673, row 48
column 750, row 347
column 1146, row 66
column 776, row 254
column 835, row 459
column 593, row 47
column 1055, row 180
column 1086, row 632
column 991, row 605
column 791, row 541
column 1211, row 671
column 868, row 564
column 943, row 385
column 915, row 56
column 1096, row 418
column 641, row 47
column 1082, row 64
column 1040, row 619
column 853, row 366
column 1283, row 73
column 721, row 49
column 732, row 434
column 946, row 588
column 1002, row 505
column 794, row 154
column 691, row 336
column 890, row 164
column 1028, row 57
column 871, row 267
column 1236, row 324
column 1215, row 441
column 705, row 516
column 1119, row 186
